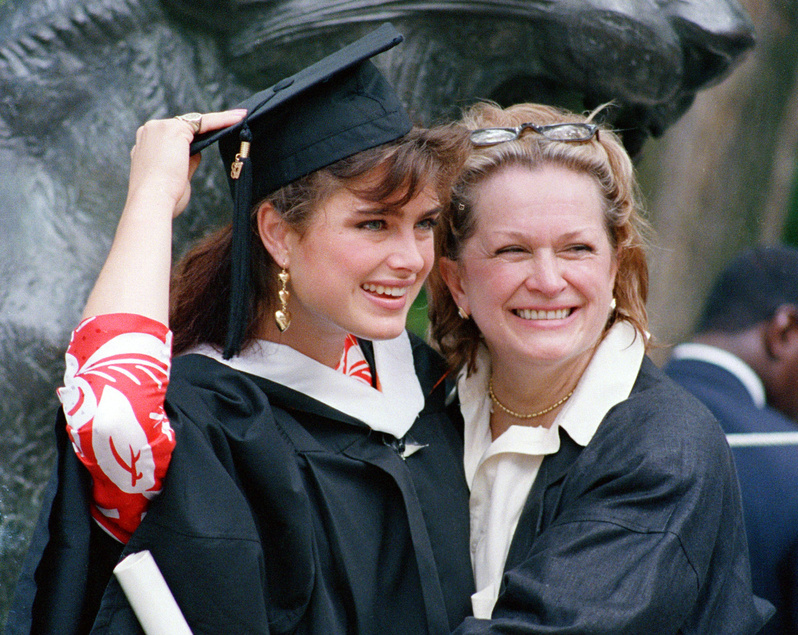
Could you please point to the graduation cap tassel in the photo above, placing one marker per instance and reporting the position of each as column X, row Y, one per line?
column 238, row 318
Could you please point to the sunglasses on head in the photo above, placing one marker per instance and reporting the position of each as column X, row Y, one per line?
column 567, row 132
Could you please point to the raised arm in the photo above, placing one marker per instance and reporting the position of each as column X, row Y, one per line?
column 118, row 361
column 135, row 276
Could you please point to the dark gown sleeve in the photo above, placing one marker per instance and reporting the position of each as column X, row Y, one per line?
column 640, row 532
column 70, row 559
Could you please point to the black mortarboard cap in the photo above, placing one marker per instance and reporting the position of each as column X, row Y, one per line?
column 331, row 110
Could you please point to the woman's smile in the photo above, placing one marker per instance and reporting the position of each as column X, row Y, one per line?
column 543, row 314
column 391, row 298
column 357, row 268
column 385, row 290
column 538, row 273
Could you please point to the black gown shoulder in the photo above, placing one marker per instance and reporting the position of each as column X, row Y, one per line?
column 279, row 514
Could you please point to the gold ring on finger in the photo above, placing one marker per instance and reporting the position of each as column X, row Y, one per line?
column 193, row 119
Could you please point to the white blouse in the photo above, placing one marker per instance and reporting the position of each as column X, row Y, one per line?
column 501, row 473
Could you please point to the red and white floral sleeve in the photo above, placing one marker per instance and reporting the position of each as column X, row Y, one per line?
column 117, row 372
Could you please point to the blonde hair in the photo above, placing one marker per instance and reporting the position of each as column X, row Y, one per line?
column 603, row 158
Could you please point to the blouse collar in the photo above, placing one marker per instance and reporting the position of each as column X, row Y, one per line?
column 607, row 380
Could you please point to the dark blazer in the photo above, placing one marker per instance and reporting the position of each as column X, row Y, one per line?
column 639, row 532
column 278, row 514
column 768, row 480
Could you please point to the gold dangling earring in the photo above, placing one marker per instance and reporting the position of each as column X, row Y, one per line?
column 461, row 312
column 282, row 316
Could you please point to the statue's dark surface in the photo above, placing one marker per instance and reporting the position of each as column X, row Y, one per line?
column 77, row 77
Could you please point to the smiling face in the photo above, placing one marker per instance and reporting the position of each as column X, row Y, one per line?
column 356, row 268
column 537, row 275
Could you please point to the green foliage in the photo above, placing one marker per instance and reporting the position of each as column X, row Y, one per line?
column 417, row 316
column 790, row 235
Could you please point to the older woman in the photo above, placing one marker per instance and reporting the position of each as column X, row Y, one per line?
column 603, row 497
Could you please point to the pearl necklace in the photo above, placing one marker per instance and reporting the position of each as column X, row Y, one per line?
column 519, row 415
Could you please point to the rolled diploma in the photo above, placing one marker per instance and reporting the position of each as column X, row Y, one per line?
column 152, row 601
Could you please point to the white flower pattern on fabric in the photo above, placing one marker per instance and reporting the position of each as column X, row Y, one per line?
column 120, row 444
column 117, row 372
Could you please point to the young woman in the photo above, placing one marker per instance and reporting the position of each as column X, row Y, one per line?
column 603, row 497
column 315, row 482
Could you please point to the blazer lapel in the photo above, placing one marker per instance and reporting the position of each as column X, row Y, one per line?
column 543, row 500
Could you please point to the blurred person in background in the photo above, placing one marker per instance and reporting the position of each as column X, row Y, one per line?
column 742, row 363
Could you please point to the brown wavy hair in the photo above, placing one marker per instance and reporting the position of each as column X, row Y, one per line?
column 603, row 158
column 200, row 289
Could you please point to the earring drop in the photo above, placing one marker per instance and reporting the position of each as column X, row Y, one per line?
column 282, row 316
column 613, row 304
column 461, row 312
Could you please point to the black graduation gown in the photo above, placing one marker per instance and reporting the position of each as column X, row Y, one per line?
column 279, row 514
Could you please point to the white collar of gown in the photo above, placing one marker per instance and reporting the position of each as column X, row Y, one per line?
column 393, row 409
